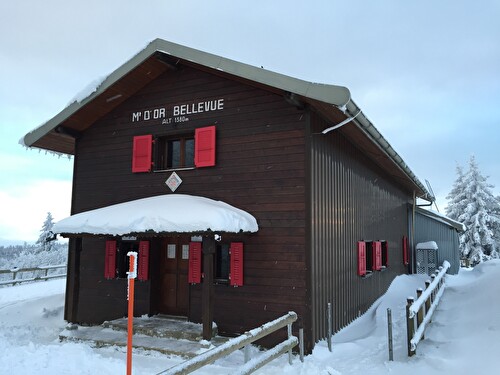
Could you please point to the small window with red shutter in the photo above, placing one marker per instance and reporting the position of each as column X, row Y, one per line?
column 142, row 153
column 361, row 249
column 236, row 264
column 110, row 260
column 117, row 262
column 406, row 258
column 385, row 254
column 178, row 151
column 143, row 261
column 194, row 263
column 377, row 255
column 204, row 152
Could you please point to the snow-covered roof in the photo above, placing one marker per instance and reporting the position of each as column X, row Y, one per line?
column 429, row 245
column 442, row 218
column 178, row 213
column 59, row 133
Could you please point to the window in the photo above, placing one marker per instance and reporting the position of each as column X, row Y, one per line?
column 221, row 260
column 370, row 257
column 117, row 263
column 174, row 153
column 228, row 263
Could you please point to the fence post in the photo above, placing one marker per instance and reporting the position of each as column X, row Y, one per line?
column 329, row 320
column 410, row 325
column 433, row 294
column 301, row 344
column 428, row 300
column 421, row 311
column 289, row 328
column 389, row 334
column 246, row 351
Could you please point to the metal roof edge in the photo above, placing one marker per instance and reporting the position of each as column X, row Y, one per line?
column 332, row 94
column 366, row 125
column 440, row 217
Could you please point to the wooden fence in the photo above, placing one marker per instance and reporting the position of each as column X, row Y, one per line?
column 239, row 342
column 37, row 274
column 419, row 312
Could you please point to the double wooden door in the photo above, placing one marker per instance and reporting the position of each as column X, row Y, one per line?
column 174, row 288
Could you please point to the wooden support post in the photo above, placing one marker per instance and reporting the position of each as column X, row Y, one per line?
column 421, row 310
column 433, row 294
column 410, row 325
column 207, row 299
column 428, row 300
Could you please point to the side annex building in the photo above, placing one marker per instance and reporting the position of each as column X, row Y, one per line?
column 177, row 145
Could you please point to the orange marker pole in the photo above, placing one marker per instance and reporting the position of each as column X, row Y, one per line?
column 132, row 274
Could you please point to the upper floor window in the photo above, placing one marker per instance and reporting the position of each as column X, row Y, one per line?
column 174, row 153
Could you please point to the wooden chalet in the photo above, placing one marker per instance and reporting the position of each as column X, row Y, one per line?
column 330, row 196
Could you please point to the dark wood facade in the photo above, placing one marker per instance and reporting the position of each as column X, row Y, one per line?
column 260, row 168
column 314, row 196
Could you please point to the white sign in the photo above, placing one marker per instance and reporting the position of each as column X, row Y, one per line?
column 173, row 182
column 179, row 112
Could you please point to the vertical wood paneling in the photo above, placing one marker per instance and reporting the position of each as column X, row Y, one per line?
column 260, row 168
column 352, row 199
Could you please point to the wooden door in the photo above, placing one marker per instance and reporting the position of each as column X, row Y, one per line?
column 174, row 288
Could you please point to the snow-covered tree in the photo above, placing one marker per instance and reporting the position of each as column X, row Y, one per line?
column 45, row 233
column 473, row 203
column 456, row 197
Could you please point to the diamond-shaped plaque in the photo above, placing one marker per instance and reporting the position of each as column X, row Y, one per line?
column 173, row 182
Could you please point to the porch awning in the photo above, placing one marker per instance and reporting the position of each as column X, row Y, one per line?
column 172, row 213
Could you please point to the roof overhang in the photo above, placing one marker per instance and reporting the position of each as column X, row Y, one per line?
column 158, row 57
column 171, row 213
column 333, row 102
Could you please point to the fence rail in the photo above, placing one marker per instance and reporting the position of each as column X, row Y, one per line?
column 39, row 273
column 239, row 342
column 419, row 312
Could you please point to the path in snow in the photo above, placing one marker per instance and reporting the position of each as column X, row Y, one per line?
column 462, row 338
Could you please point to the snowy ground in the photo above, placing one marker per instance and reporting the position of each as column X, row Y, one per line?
column 462, row 339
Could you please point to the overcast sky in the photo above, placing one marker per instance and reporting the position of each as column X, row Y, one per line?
column 426, row 73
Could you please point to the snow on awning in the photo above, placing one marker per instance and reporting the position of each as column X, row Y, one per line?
column 178, row 213
column 429, row 245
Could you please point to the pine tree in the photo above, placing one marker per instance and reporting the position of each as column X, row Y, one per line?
column 473, row 203
column 45, row 233
column 457, row 200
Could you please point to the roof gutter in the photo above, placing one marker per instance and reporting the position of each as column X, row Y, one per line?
column 355, row 114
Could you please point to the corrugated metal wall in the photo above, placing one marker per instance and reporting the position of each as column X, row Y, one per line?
column 445, row 236
column 351, row 200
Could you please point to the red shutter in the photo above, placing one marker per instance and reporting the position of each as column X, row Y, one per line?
column 142, row 153
column 236, row 264
column 204, row 147
column 110, row 260
column 385, row 254
column 406, row 259
column 377, row 264
column 361, row 258
column 143, row 261
column 194, row 271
